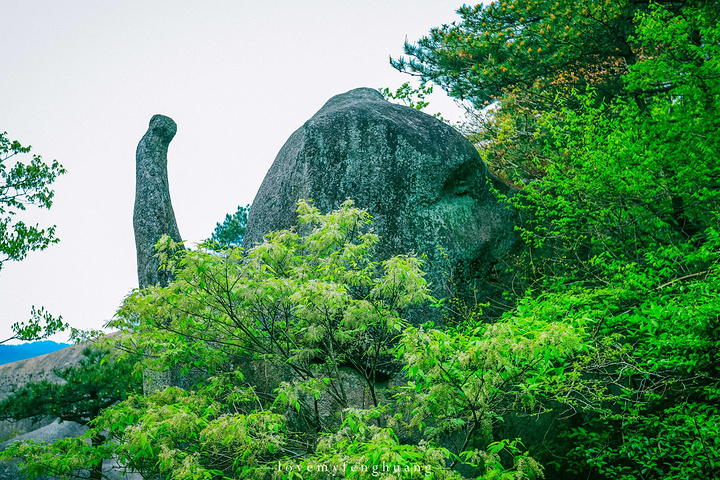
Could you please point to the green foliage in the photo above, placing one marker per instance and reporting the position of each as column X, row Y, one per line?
column 75, row 457
column 231, row 231
column 201, row 434
column 606, row 116
column 516, row 60
column 23, row 184
column 681, row 54
column 622, row 230
column 537, row 48
column 41, row 325
column 624, row 180
column 509, row 137
column 463, row 381
column 677, row 442
column 411, row 97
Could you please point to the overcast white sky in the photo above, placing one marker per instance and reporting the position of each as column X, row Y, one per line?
column 79, row 81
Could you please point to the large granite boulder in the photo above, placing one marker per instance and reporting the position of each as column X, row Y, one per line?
column 153, row 216
column 421, row 180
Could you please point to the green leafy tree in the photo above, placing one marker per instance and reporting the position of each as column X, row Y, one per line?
column 623, row 179
column 94, row 384
column 41, row 325
column 537, row 48
column 231, row 231
column 23, row 184
column 330, row 304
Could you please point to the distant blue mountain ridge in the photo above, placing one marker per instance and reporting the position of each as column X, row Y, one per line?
column 13, row 353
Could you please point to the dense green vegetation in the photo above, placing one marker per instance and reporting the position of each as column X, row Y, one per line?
column 297, row 357
column 605, row 114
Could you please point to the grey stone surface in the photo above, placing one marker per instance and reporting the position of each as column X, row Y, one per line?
column 49, row 433
column 153, row 216
column 421, row 180
column 10, row 428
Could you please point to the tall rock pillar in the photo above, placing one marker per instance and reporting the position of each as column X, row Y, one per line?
column 153, row 216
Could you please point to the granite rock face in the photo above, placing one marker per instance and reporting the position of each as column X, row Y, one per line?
column 153, row 216
column 421, row 180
